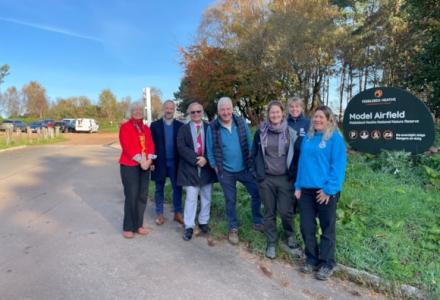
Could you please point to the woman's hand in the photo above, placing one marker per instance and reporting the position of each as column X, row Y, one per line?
column 322, row 197
column 297, row 194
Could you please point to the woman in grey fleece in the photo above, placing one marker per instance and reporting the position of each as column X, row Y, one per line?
column 273, row 167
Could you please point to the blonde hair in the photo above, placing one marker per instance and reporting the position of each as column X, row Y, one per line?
column 332, row 124
column 296, row 99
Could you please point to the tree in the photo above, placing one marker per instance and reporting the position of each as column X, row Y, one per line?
column 156, row 103
column 210, row 73
column 425, row 17
column 13, row 103
column 4, row 71
column 36, row 100
column 107, row 105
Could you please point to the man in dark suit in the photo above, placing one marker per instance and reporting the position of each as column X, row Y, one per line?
column 195, row 174
column 164, row 132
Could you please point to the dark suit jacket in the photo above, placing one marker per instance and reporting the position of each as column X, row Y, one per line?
column 158, row 134
column 187, row 174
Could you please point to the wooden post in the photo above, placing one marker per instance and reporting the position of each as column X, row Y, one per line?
column 29, row 134
column 8, row 136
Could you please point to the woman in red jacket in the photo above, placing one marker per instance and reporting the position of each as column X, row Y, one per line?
column 136, row 158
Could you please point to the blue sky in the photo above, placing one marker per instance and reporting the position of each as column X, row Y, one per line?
column 79, row 47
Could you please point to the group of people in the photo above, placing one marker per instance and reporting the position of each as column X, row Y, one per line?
column 292, row 164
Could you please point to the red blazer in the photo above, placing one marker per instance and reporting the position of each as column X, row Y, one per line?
column 129, row 138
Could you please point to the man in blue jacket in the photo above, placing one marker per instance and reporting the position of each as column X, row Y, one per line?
column 229, row 144
column 164, row 133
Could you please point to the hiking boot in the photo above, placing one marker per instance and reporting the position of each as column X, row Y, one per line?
column 308, row 268
column 271, row 251
column 233, row 236
column 187, row 235
column 160, row 219
column 291, row 242
column 204, row 228
column 258, row 227
column 178, row 217
column 324, row 273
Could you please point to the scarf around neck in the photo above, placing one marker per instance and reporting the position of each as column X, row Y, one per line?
column 280, row 130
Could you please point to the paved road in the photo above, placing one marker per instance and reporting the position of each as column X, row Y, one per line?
column 60, row 238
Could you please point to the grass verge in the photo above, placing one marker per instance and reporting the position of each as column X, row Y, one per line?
column 24, row 141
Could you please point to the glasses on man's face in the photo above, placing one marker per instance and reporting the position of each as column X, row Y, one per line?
column 196, row 112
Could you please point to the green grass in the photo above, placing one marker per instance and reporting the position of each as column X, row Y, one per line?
column 387, row 223
column 16, row 142
column 107, row 127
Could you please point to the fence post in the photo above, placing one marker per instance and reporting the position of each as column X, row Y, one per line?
column 29, row 134
column 8, row 136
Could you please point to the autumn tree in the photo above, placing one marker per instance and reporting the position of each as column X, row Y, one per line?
column 34, row 95
column 107, row 105
column 12, row 102
column 210, row 73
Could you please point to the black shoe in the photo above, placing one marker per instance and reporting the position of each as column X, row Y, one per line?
column 324, row 273
column 204, row 228
column 291, row 242
column 271, row 251
column 308, row 268
column 187, row 235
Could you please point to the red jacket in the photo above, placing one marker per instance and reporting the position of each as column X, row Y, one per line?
column 130, row 140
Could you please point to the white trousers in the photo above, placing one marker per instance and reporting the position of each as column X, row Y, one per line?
column 189, row 215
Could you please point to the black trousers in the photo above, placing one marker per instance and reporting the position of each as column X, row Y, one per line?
column 309, row 210
column 135, row 182
column 276, row 195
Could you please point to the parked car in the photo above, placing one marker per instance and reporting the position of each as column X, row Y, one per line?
column 47, row 123
column 35, row 126
column 69, row 125
column 61, row 125
column 86, row 125
column 14, row 124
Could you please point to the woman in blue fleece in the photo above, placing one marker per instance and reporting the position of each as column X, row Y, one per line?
column 321, row 173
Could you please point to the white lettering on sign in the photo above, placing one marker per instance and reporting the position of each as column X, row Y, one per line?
column 378, row 115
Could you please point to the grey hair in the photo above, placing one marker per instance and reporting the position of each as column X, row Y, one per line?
column 191, row 105
column 223, row 101
column 296, row 99
column 332, row 123
column 168, row 101
column 134, row 106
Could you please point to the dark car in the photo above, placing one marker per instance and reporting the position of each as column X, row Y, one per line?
column 69, row 125
column 47, row 123
column 35, row 126
column 14, row 124
column 61, row 125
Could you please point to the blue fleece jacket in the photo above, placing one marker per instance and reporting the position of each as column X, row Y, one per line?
column 232, row 155
column 322, row 164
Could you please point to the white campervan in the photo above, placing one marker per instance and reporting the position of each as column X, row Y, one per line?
column 86, row 125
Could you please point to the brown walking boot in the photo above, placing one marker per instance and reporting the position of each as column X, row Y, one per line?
column 178, row 217
column 160, row 219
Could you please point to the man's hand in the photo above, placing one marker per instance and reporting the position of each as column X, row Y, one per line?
column 201, row 161
column 322, row 197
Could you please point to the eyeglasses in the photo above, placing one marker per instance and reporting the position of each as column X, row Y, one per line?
column 196, row 112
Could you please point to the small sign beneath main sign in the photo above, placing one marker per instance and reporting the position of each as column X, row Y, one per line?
column 388, row 118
